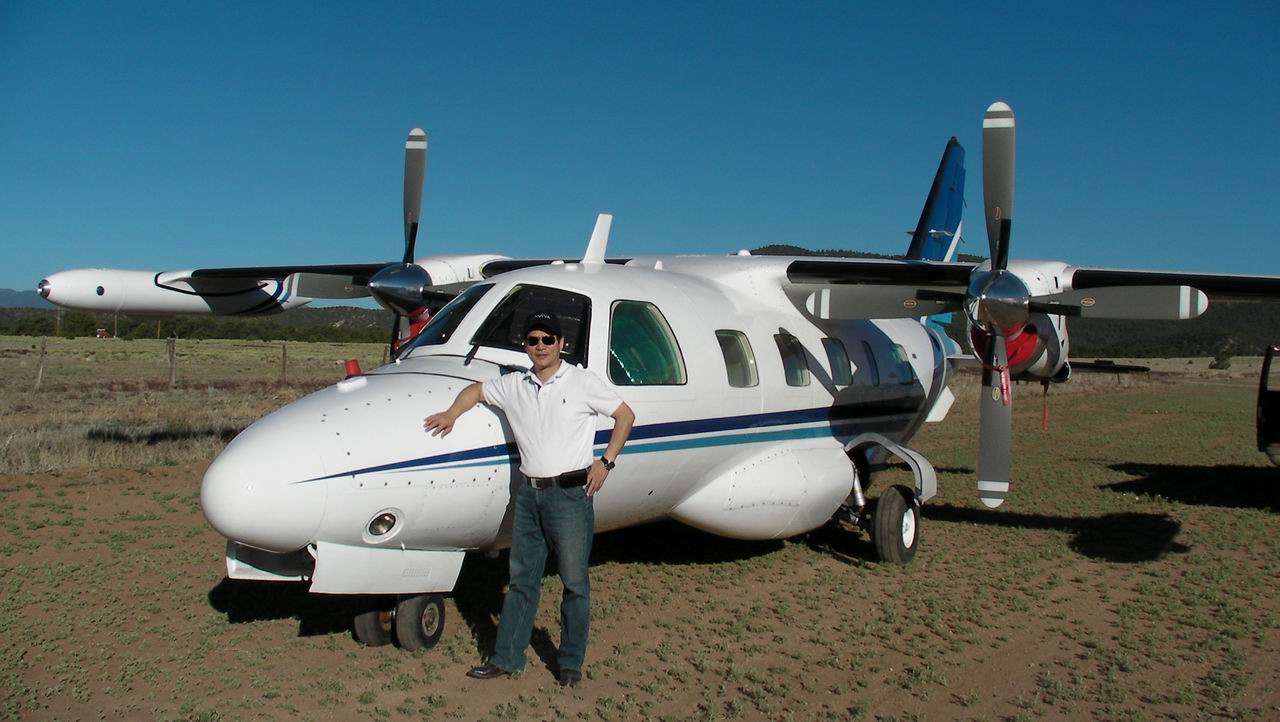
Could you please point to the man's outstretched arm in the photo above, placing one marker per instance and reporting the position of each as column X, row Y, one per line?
column 442, row 423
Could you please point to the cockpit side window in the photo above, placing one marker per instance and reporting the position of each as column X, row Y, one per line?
column 642, row 349
column 445, row 322
column 505, row 325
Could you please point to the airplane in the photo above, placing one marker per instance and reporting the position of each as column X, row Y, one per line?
column 767, row 389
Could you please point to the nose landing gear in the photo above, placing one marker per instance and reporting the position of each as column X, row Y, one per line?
column 415, row 622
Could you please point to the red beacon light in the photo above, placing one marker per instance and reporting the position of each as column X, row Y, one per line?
column 353, row 368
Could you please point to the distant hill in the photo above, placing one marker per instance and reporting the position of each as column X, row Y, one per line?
column 10, row 298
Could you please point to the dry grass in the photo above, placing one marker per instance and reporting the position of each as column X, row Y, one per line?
column 106, row 403
column 1135, row 574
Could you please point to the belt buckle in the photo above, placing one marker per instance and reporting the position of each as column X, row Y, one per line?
column 540, row 483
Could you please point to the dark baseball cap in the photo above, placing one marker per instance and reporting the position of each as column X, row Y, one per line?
column 544, row 320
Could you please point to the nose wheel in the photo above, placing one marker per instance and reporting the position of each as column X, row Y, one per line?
column 415, row 622
column 373, row 627
column 419, row 621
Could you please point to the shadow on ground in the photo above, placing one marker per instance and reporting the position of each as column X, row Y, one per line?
column 1255, row 487
column 250, row 601
column 1126, row 537
column 153, row 436
column 478, row 593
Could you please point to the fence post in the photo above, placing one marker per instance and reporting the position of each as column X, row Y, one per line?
column 44, row 344
column 173, row 361
column 284, row 363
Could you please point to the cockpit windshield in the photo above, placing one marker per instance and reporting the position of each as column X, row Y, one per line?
column 505, row 326
column 446, row 320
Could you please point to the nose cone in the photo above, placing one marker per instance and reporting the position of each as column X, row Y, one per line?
column 258, row 491
column 43, row 288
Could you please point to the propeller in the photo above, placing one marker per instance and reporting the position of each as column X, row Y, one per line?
column 998, row 306
column 400, row 288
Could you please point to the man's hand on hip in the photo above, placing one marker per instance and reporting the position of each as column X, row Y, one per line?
column 596, row 476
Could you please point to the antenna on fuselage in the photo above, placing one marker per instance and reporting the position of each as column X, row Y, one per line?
column 599, row 239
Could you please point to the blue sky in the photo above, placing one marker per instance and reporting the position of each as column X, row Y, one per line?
column 175, row 135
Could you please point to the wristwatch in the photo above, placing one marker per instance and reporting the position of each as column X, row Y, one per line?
column 608, row 465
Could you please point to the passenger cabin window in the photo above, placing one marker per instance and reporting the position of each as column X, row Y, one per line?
column 739, row 361
column 873, row 368
column 505, row 326
column 838, row 357
column 642, row 349
column 793, row 362
column 445, row 322
column 902, row 372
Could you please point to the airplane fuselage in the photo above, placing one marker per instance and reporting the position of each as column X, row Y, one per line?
column 741, row 427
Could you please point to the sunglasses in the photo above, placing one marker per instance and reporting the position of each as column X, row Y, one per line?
column 532, row 341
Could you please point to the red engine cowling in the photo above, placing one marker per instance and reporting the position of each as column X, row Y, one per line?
column 1038, row 351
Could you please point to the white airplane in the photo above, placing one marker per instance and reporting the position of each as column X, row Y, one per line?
column 765, row 388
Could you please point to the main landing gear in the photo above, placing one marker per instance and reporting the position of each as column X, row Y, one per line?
column 894, row 521
column 414, row 622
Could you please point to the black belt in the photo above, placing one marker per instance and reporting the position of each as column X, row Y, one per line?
column 566, row 480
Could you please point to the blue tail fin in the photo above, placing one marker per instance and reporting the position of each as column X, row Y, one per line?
column 937, row 232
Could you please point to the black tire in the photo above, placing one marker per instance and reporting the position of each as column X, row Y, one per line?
column 889, row 525
column 372, row 628
column 419, row 621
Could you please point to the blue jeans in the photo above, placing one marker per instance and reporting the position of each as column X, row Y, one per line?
column 561, row 521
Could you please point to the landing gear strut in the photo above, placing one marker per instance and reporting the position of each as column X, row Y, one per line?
column 415, row 622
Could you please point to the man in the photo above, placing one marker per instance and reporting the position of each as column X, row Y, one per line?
column 552, row 411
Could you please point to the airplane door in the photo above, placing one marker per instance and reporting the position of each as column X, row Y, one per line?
column 1269, row 407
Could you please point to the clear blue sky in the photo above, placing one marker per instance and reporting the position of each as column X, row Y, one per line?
column 174, row 135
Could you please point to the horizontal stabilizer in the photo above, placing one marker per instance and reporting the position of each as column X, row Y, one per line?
column 1103, row 365
column 1167, row 303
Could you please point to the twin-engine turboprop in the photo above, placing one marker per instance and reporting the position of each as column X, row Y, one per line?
column 765, row 389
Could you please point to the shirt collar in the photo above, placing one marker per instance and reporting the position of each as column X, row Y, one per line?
column 560, row 372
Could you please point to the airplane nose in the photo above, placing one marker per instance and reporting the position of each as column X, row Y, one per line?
column 256, row 493
column 44, row 288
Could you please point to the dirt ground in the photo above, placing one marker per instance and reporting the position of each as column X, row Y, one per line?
column 1134, row 574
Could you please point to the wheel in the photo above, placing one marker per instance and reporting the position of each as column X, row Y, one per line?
column 419, row 621
column 373, row 627
column 896, row 525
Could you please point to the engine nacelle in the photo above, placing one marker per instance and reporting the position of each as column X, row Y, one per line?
column 1052, row 347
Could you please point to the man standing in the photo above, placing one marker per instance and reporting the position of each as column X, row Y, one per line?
column 552, row 411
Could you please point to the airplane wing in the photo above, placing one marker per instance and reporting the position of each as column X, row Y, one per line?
column 324, row 281
column 886, row 288
column 876, row 288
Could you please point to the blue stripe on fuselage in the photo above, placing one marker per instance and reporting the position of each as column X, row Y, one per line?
column 837, row 416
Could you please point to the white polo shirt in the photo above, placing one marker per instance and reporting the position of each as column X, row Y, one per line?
column 554, row 422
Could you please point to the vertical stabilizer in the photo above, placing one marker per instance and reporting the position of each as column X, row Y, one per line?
column 938, row 231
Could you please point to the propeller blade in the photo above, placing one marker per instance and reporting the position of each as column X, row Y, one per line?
column 1170, row 303
column 415, row 170
column 997, row 179
column 995, row 411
